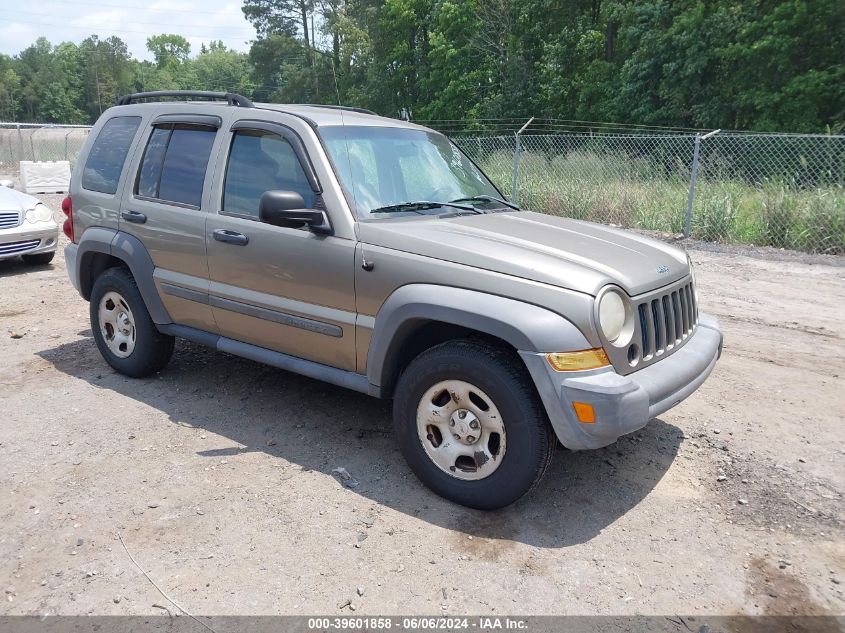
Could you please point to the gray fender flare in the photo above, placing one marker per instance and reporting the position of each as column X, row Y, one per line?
column 524, row 326
column 131, row 251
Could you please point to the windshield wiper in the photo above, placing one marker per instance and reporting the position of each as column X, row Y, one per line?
column 422, row 205
column 488, row 199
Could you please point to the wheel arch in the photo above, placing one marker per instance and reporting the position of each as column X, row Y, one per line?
column 418, row 316
column 100, row 248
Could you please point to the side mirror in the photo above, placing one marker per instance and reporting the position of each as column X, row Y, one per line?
column 287, row 208
column 7, row 183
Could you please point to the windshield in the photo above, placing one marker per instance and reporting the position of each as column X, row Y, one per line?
column 382, row 167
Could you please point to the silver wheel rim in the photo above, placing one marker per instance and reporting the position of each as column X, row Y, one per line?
column 461, row 430
column 117, row 324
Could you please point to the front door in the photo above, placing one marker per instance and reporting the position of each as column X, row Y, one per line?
column 282, row 288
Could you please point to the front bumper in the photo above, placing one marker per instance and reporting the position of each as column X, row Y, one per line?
column 623, row 404
column 41, row 237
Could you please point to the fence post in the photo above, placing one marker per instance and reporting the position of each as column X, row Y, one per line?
column 516, row 155
column 66, row 135
column 693, row 177
column 20, row 141
column 515, row 170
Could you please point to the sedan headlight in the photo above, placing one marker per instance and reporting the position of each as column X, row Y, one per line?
column 615, row 317
column 39, row 213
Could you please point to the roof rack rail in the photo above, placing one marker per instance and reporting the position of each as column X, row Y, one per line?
column 231, row 98
column 337, row 107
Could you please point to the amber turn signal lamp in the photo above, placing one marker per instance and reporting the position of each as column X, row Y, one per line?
column 574, row 361
column 584, row 412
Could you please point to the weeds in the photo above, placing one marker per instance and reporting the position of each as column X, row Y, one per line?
column 622, row 190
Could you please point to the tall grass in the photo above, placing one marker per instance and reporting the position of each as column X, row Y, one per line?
column 614, row 188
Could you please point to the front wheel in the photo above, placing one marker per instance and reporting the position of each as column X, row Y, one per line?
column 470, row 424
column 123, row 329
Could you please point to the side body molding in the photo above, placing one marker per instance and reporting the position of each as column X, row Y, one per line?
column 525, row 326
column 129, row 249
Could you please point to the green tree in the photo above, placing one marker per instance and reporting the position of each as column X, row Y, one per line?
column 50, row 83
column 107, row 73
column 760, row 64
column 10, row 90
column 221, row 69
column 168, row 49
column 285, row 17
column 789, row 58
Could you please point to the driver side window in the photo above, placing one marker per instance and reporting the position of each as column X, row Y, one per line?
column 261, row 161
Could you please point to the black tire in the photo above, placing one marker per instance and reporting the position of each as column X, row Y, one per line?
column 152, row 349
column 39, row 259
column 500, row 373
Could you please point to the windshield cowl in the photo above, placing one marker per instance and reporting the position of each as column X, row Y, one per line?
column 423, row 205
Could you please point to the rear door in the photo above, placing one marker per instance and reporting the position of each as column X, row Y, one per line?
column 166, row 208
column 283, row 288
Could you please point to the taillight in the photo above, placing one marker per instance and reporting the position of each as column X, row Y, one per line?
column 67, row 209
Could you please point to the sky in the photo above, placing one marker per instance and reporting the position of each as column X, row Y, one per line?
column 133, row 21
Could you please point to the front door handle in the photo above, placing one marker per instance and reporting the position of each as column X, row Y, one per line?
column 231, row 237
column 133, row 216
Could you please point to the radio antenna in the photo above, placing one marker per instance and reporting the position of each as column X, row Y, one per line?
column 336, row 88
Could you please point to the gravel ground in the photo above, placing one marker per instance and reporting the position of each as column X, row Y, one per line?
column 216, row 476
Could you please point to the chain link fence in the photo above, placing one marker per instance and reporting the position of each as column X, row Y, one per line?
column 781, row 190
column 26, row 141
column 786, row 191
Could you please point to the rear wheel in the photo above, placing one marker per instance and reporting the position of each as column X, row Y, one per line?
column 39, row 259
column 470, row 424
column 123, row 329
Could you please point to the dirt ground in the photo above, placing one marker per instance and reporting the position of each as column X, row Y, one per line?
column 216, row 473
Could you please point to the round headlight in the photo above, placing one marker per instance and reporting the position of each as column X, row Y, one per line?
column 39, row 213
column 612, row 315
column 43, row 213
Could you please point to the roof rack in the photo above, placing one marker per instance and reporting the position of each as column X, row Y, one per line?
column 231, row 98
column 337, row 107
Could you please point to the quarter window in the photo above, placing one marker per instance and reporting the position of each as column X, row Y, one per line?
column 174, row 164
column 150, row 173
column 108, row 153
column 261, row 161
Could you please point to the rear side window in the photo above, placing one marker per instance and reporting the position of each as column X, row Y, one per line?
column 174, row 164
column 150, row 172
column 260, row 161
column 108, row 154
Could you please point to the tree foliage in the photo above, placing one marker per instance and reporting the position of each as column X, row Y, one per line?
column 756, row 64
column 70, row 83
column 168, row 49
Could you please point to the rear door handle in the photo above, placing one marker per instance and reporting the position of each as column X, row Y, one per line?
column 133, row 216
column 231, row 237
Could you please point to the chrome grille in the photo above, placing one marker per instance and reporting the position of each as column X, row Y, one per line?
column 12, row 248
column 9, row 219
column 666, row 321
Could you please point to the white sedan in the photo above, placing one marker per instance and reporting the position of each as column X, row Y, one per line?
column 26, row 228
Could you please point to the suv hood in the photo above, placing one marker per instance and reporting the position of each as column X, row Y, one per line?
column 571, row 254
